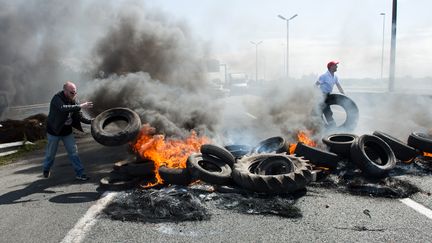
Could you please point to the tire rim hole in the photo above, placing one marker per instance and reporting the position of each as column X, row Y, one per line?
column 339, row 115
column 375, row 154
column 115, row 124
column 274, row 166
column 209, row 166
column 341, row 139
column 268, row 148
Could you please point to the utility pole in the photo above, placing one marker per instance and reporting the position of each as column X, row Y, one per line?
column 393, row 48
column 382, row 46
column 287, row 40
column 256, row 59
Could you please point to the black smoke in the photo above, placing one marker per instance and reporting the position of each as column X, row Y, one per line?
column 120, row 54
column 154, row 66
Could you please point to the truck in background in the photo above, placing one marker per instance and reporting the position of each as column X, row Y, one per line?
column 238, row 83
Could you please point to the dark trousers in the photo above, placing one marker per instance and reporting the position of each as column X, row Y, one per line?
column 327, row 112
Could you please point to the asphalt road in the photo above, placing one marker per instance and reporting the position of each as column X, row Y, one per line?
column 60, row 209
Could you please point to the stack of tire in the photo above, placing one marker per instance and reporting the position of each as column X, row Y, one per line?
column 127, row 174
column 213, row 164
column 265, row 168
column 375, row 155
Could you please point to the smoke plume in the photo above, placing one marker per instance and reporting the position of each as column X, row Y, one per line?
column 155, row 67
column 123, row 54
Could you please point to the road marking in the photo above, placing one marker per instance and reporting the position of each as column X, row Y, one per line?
column 77, row 233
column 417, row 207
column 250, row 115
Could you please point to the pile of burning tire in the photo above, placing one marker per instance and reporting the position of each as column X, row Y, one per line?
column 375, row 155
column 265, row 168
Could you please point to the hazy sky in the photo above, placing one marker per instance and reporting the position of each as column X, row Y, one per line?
column 349, row 31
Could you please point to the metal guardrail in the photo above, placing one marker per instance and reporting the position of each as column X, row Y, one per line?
column 28, row 107
column 10, row 148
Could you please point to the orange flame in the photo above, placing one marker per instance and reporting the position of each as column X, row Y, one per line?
column 302, row 136
column 171, row 152
column 427, row 154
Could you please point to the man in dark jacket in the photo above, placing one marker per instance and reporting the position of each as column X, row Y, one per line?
column 65, row 113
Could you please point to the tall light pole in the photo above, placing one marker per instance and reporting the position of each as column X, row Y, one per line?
column 287, row 50
column 382, row 46
column 256, row 59
column 393, row 47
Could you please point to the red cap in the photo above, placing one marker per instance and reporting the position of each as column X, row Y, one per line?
column 332, row 63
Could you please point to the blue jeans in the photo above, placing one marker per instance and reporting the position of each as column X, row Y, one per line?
column 71, row 148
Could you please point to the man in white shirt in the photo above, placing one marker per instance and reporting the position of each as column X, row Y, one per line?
column 326, row 83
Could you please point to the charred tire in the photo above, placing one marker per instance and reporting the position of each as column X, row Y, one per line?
column 209, row 169
column 175, row 176
column 340, row 143
column 245, row 176
column 351, row 110
column 218, row 152
column 401, row 150
column 420, row 141
column 317, row 156
column 273, row 144
column 117, row 182
column 373, row 156
column 137, row 168
column 119, row 164
column 109, row 138
column 238, row 150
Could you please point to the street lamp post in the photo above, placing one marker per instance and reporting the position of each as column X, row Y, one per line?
column 393, row 48
column 382, row 46
column 287, row 50
column 256, row 59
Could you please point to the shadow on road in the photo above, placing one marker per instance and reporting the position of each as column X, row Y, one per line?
column 77, row 197
column 97, row 160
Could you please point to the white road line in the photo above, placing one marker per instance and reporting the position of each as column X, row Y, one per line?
column 77, row 233
column 250, row 115
column 417, row 207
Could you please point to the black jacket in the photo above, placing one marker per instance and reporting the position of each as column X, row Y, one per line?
column 60, row 107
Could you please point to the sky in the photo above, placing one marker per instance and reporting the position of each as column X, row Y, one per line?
column 349, row 31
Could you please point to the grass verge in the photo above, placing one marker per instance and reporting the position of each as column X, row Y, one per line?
column 23, row 150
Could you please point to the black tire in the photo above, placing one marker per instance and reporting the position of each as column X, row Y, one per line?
column 117, row 182
column 115, row 138
column 119, row 164
column 373, row 156
column 340, row 143
column 209, row 169
column 420, row 141
column 244, row 174
column 175, row 176
column 274, row 144
column 351, row 110
column 218, row 152
column 317, row 156
column 401, row 150
column 138, row 168
column 238, row 150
